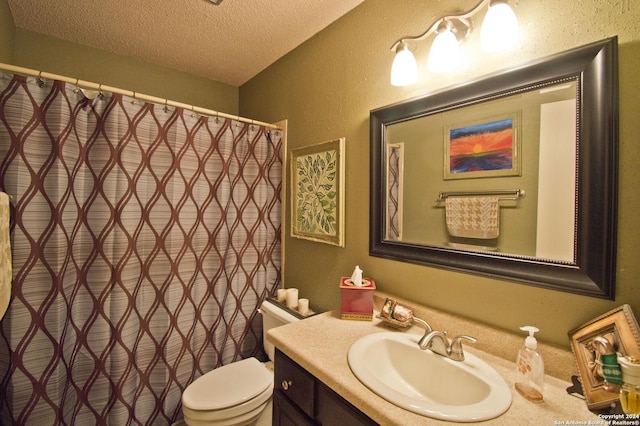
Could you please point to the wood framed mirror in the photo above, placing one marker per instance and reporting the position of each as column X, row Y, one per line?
column 557, row 193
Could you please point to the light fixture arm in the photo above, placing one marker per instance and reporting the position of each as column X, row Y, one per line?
column 460, row 23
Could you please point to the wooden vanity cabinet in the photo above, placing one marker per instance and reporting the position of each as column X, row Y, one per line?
column 300, row 399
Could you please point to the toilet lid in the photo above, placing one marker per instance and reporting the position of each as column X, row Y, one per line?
column 228, row 385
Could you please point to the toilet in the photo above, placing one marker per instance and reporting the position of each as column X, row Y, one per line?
column 238, row 393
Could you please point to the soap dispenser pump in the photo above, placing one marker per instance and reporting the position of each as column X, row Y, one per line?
column 530, row 368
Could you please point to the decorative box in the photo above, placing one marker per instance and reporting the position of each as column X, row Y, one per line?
column 357, row 301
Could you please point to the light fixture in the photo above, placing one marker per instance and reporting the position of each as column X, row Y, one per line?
column 404, row 70
column 499, row 31
column 444, row 55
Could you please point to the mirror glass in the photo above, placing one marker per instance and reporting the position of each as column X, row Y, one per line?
column 525, row 143
column 512, row 176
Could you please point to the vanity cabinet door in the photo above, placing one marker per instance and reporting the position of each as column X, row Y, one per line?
column 294, row 382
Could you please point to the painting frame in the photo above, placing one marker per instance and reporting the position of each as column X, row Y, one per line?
column 317, row 192
column 487, row 161
column 620, row 327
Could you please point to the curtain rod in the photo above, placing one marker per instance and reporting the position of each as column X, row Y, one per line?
column 96, row 86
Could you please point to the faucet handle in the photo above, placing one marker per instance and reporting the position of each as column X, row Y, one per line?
column 456, row 346
column 457, row 342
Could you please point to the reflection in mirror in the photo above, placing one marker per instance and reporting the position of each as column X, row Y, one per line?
column 513, row 176
column 525, row 141
column 395, row 191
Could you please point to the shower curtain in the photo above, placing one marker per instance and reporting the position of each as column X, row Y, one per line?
column 144, row 238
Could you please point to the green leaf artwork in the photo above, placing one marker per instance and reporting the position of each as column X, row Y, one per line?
column 317, row 193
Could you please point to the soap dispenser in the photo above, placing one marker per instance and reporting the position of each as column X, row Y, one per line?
column 530, row 368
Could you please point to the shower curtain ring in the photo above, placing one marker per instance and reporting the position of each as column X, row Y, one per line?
column 40, row 80
column 100, row 94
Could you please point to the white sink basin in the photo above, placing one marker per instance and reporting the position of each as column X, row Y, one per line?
column 392, row 365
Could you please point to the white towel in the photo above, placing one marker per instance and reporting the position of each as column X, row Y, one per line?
column 473, row 217
column 5, row 254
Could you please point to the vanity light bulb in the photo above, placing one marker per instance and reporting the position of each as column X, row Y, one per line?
column 404, row 70
column 444, row 55
column 499, row 29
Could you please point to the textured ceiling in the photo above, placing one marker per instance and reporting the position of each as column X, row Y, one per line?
column 229, row 43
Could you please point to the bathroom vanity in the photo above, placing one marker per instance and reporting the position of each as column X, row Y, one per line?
column 312, row 365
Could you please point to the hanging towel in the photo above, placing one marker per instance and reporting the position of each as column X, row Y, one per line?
column 5, row 254
column 473, row 217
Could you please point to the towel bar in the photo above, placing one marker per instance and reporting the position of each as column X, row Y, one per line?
column 509, row 194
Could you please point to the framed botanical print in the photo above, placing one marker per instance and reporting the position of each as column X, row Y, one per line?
column 317, row 192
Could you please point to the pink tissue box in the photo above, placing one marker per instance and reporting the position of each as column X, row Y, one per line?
column 357, row 302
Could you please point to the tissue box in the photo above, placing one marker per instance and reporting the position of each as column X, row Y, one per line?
column 357, row 302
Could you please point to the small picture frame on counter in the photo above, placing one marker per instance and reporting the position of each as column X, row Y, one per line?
column 620, row 329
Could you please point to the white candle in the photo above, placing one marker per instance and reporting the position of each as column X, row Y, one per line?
column 303, row 306
column 282, row 295
column 292, row 298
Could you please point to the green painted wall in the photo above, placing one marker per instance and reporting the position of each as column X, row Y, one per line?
column 326, row 88
column 7, row 33
column 57, row 56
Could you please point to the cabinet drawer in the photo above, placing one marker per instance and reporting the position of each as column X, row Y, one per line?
column 294, row 382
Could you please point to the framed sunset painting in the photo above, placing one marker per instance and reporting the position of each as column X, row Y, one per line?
column 487, row 148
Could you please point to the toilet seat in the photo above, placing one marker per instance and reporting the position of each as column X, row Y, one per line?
column 244, row 382
column 237, row 415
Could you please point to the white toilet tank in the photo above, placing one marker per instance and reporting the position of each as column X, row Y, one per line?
column 273, row 315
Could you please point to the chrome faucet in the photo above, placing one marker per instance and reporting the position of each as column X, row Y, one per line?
column 438, row 342
column 423, row 323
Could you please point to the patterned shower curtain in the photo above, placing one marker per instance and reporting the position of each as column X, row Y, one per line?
column 144, row 239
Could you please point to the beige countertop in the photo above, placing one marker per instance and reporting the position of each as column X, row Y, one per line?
column 320, row 345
